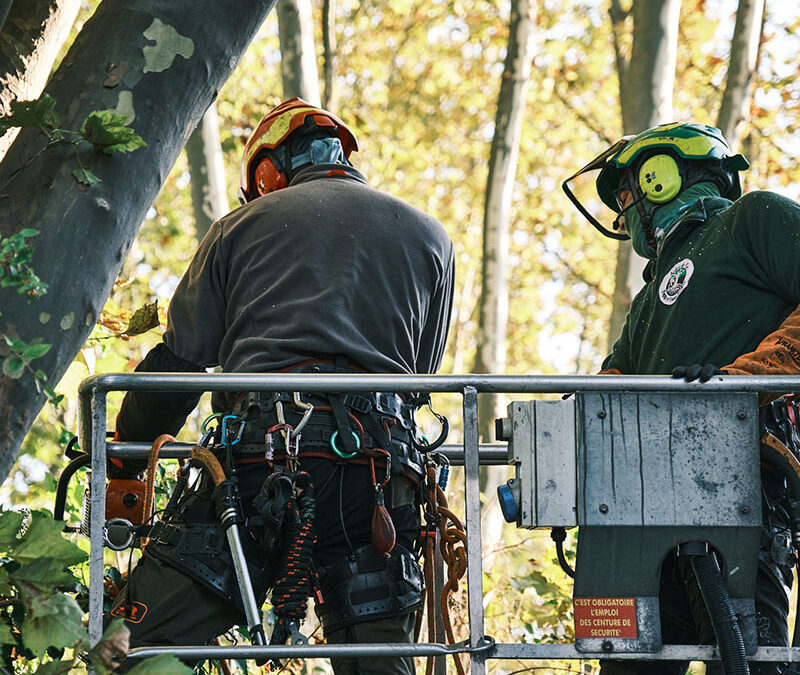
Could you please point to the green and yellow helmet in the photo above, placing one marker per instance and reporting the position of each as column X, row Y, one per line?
column 688, row 141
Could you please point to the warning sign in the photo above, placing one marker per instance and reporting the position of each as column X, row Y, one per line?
column 605, row 617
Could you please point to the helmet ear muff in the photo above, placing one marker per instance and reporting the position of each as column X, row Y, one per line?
column 660, row 178
column 268, row 178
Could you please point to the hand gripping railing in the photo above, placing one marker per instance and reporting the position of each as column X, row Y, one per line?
column 93, row 392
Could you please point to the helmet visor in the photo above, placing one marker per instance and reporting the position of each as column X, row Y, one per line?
column 599, row 163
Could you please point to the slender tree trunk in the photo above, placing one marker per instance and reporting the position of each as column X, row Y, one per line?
column 646, row 85
column 328, row 52
column 493, row 311
column 744, row 56
column 168, row 60
column 298, row 56
column 206, row 167
column 32, row 34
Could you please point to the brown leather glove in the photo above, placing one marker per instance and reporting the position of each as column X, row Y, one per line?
column 778, row 354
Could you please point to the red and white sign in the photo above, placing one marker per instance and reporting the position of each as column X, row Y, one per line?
column 605, row 617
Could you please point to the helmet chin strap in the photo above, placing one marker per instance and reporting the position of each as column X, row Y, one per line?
column 616, row 224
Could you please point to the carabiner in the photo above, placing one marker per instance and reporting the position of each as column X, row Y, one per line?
column 239, row 433
column 341, row 453
column 308, row 408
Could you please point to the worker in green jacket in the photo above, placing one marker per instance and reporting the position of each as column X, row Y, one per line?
column 721, row 295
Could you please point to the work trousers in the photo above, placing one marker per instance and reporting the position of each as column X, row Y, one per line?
column 170, row 608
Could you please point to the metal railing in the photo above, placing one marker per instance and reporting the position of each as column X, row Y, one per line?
column 93, row 392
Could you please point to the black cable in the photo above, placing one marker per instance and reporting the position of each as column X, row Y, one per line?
column 558, row 535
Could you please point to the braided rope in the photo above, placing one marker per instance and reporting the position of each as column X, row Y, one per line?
column 452, row 545
column 292, row 586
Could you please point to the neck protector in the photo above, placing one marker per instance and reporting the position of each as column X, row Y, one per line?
column 663, row 217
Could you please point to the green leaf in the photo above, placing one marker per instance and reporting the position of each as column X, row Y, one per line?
column 15, row 343
column 13, row 366
column 108, row 131
column 35, row 351
column 166, row 664
column 52, row 621
column 10, row 524
column 85, row 177
column 55, row 668
column 6, row 636
column 44, row 574
column 38, row 113
column 28, row 232
column 143, row 319
column 44, row 539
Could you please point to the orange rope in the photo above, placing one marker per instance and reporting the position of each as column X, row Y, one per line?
column 452, row 544
column 152, row 464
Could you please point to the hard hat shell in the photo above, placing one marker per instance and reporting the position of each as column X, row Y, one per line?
column 686, row 140
column 276, row 126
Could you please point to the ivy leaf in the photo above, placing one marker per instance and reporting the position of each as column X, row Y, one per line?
column 6, row 636
column 109, row 132
column 35, row 351
column 45, row 574
column 112, row 646
column 55, row 668
column 38, row 113
column 85, row 177
column 10, row 524
column 52, row 620
column 44, row 539
column 143, row 319
column 166, row 664
column 13, row 367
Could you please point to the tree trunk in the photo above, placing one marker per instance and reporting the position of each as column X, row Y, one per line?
column 504, row 155
column 646, row 84
column 298, row 57
column 159, row 63
column 744, row 55
column 207, row 169
column 329, row 52
column 31, row 36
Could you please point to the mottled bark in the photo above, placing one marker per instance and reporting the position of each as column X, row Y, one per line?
column 733, row 110
column 298, row 57
column 647, row 80
column 168, row 61
column 31, row 36
column 207, row 170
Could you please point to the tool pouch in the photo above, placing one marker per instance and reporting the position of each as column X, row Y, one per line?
column 369, row 585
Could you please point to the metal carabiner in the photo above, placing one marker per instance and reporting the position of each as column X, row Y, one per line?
column 308, row 408
column 239, row 433
column 342, row 453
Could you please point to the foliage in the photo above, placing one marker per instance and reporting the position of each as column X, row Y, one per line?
column 40, row 617
column 15, row 264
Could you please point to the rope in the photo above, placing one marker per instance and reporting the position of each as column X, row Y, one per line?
column 452, row 545
column 150, row 489
column 294, row 574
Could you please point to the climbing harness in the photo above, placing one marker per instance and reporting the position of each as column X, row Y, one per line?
column 452, row 545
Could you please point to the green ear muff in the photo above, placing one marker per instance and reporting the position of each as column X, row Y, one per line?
column 659, row 178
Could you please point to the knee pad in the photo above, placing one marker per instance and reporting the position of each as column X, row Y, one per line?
column 369, row 585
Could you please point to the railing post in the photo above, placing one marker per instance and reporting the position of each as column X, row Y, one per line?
column 472, row 508
column 97, row 487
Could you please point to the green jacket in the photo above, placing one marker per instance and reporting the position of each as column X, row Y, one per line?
column 726, row 276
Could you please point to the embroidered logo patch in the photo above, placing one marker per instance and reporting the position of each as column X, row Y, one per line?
column 675, row 281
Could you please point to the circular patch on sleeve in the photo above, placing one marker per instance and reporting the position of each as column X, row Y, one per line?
column 675, row 281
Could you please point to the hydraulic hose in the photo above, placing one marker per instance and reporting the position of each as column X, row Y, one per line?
column 720, row 610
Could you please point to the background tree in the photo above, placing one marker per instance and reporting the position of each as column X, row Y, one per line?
column 734, row 108
column 298, row 56
column 646, row 81
column 206, row 165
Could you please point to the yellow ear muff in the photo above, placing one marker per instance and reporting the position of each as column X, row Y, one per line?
column 659, row 178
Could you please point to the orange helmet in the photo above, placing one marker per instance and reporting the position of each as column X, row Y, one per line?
column 260, row 174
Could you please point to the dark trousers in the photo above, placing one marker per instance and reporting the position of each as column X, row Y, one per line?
column 170, row 608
